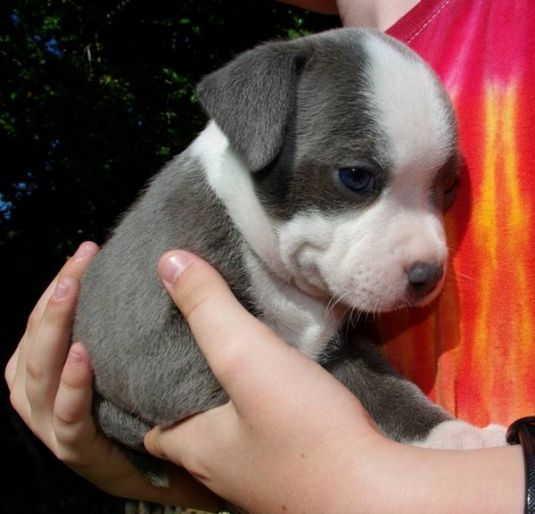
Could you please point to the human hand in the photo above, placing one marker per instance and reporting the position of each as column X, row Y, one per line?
column 290, row 429
column 51, row 389
column 320, row 6
column 293, row 439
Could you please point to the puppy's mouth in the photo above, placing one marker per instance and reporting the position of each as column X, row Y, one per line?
column 411, row 300
column 313, row 284
column 418, row 287
column 378, row 300
column 310, row 280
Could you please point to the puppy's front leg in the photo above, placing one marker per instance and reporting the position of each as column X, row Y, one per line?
column 400, row 409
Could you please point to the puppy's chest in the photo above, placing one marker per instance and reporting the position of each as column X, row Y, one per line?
column 302, row 321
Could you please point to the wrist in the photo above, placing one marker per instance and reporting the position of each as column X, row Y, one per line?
column 401, row 479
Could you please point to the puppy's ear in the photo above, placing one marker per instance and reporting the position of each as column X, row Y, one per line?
column 252, row 97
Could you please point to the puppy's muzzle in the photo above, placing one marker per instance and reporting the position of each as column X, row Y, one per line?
column 423, row 278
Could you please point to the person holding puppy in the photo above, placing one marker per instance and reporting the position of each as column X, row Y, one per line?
column 292, row 438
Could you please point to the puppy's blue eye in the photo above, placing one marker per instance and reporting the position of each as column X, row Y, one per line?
column 358, row 179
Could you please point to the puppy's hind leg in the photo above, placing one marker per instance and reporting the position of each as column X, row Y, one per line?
column 129, row 431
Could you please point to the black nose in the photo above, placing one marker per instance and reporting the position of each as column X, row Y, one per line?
column 423, row 278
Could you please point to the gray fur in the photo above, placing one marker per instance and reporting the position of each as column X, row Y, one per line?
column 270, row 101
column 277, row 106
column 123, row 309
column 306, row 164
column 251, row 98
column 397, row 405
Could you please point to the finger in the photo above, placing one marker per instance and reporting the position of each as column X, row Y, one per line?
column 72, row 421
column 185, row 443
column 17, row 391
column 121, row 479
column 229, row 336
column 46, row 355
column 74, row 267
column 11, row 367
column 158, row 442
column 80, row 445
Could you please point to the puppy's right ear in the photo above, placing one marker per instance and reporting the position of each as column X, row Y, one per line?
column 252, row 97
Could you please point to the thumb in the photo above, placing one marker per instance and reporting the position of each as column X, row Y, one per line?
column 230, row 337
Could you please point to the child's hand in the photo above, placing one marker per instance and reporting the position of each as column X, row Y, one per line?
column 51, row 389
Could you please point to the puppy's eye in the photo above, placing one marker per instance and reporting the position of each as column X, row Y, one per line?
column 450, row 185
column 448, row 190
column 358, row 179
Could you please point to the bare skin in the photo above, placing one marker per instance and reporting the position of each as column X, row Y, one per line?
column 379, row 14
column 51, row 389
column 319, row 6
column 287, row 418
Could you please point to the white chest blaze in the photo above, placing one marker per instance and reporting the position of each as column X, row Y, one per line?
column 300, row 319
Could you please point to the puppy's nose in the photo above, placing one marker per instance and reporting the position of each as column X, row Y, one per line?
column 423, row 278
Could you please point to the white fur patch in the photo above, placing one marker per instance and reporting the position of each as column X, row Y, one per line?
column 413, row 112
column 363, row 258
column 231, row 181
column 458, row 435
column 297, row 317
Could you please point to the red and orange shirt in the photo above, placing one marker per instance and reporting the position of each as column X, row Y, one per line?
column 473, row 351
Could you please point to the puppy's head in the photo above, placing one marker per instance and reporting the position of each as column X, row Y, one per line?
column 351, row 147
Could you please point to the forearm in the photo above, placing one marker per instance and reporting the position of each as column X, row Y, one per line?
column 419, row 481
column 320, row 6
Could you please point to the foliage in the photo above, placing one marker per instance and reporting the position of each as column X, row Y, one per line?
column 95, row 97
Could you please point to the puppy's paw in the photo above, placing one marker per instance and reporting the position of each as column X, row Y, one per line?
column 458, row 435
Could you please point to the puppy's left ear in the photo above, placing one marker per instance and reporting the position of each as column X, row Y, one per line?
column 252, row 98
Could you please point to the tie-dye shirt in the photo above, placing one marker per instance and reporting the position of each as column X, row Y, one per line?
column 473, row 351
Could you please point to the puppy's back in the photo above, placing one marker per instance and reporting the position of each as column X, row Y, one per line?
column 145, row 360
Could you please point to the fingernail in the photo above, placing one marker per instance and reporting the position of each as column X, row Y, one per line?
column 75, row 357
column 173, row 266
column 85, row 250
column 62, row 288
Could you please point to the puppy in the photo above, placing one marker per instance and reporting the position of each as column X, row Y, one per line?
column 321, row 179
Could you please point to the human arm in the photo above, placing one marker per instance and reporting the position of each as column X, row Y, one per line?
column 294, row 439
column 51, row 389
column 379, row 14
column 320, row 6
column 284, row 406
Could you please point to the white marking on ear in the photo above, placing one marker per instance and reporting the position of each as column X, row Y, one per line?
column 231, row 181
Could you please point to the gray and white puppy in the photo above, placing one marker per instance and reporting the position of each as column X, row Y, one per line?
column 321, row 177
